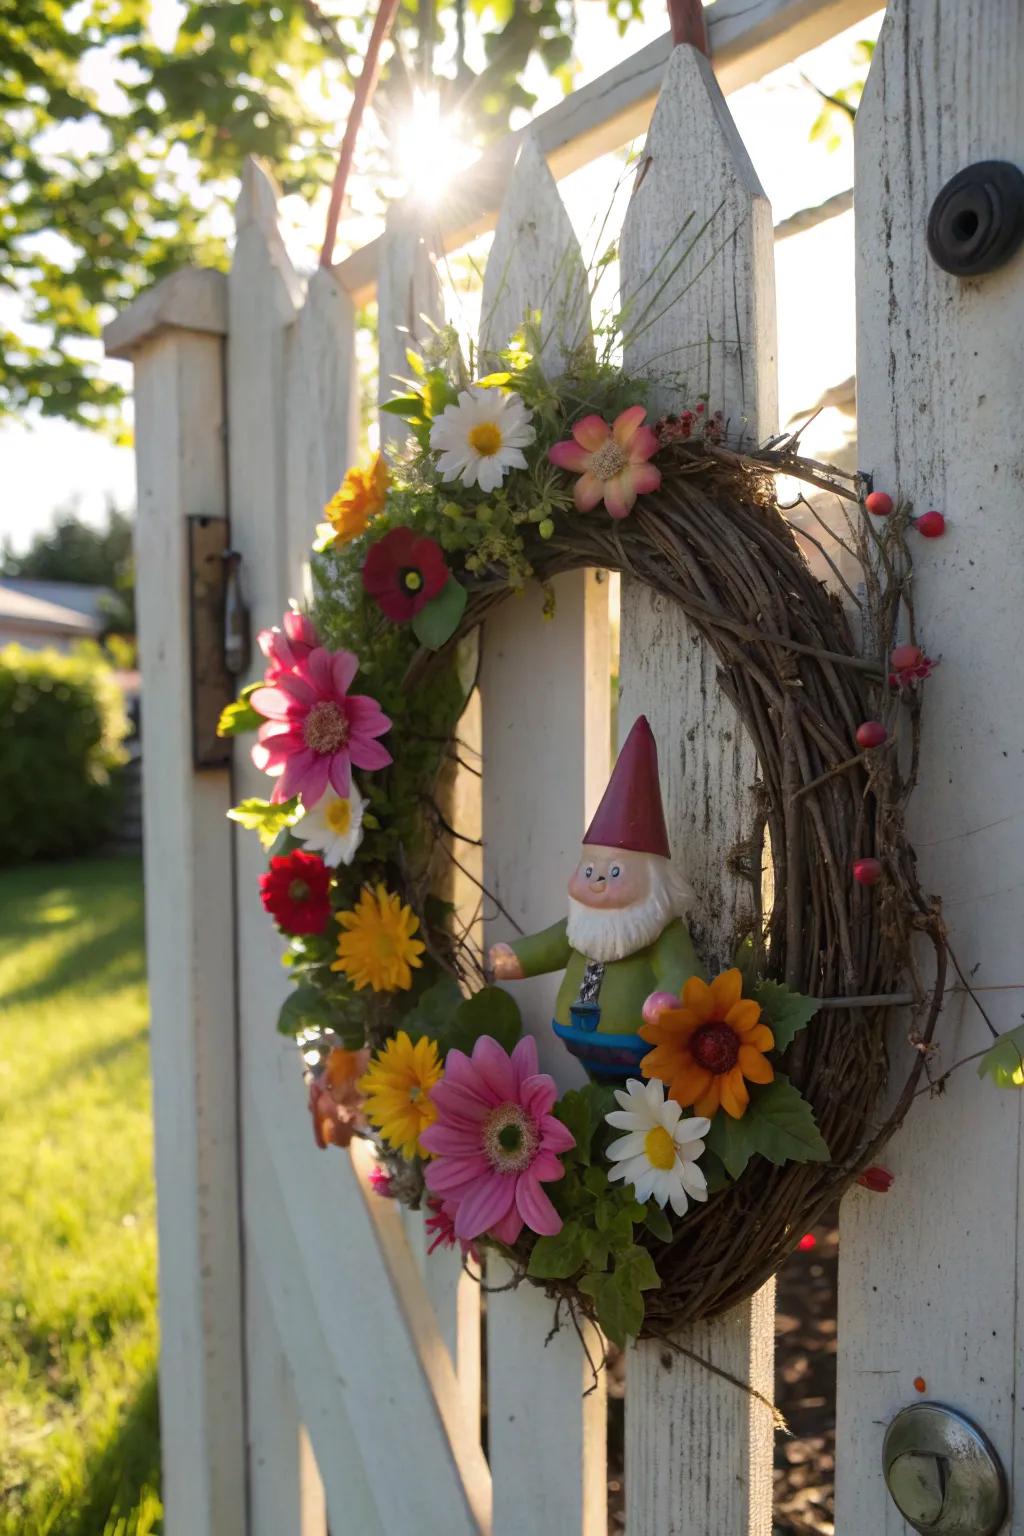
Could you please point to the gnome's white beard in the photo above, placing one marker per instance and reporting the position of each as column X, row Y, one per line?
column 614, row 933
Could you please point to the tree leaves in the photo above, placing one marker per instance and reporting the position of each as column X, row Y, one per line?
column 1003, row 1062
column 618, row 1295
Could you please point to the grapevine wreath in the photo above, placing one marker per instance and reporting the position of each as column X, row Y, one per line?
column 646, row 1199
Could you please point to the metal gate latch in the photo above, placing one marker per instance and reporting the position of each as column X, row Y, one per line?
column 943, row 1473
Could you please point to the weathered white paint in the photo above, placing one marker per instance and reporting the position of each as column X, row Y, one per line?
column 322, row 411
column 927, row 1282
column 534, row 267
column 548, row 1414
column 189, row 920
column 194, row 299
column 698, row 1450
column 286, row 1491
column 545, row 692
column 408, row 304
column 748, row 38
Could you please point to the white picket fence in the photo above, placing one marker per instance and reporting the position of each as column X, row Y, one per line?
column 316, row 1367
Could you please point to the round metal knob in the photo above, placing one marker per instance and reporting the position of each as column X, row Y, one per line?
column 943, row 1473
column 977, row 220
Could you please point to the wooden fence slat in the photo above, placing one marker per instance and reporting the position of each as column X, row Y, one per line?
column 545, row 689
column 535, row 264
column 927, row 1271
column 279, row 1502
column 698, row 303
column 179, row 402
column 321, row 412
column 408, row 302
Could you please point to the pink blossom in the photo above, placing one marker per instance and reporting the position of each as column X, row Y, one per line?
column 611, row 461
column 316, row 732
column 442, row 1225
column 495, row 1142
column 285, row 648
column 381, row 1182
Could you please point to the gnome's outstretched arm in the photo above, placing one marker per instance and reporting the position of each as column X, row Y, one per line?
column 674, row 959
column 540, row 953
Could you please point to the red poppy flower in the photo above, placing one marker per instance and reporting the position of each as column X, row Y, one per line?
column 294, row 892
column 402, row 572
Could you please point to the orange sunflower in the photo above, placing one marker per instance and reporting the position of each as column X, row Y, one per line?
column 359, row 498
column 706, row 1049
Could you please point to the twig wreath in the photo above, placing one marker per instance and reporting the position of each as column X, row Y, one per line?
column 672, row 1189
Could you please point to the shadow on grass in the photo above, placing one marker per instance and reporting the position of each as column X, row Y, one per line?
column 90, row 966
column 122, row 1483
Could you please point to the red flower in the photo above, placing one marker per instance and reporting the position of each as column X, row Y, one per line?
column 382, row 1183
column 294, row 892
column 402, row 572
column 442, row 1225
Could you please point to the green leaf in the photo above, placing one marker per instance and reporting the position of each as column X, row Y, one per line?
column 785, row 1012
column 491, row 1011
column 596, row 1180
column 305, row 1008
column 434, row 1010
column 618, row 1297
column 778, row 1125
column 260, row 816
column 657, row 1223
column 583, row 1110
column 558, row 1257
column 408, row 406
column 438, row 620
column 494, row 380
column 1003, row 1062
column 239, row 718
column 743, row 960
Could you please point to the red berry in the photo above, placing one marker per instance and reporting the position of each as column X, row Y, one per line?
column 904, row 656
column 867, row 871
column 930, row 525
column 920, row 1385
column 871, row 734
column 807, row 1242
column 879, row 503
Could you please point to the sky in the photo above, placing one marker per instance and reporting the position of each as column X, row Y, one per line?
column 50, row 464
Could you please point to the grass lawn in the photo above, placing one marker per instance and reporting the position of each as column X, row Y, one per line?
column 79, row 1448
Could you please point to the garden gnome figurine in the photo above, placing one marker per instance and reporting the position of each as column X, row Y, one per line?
column 624, row 937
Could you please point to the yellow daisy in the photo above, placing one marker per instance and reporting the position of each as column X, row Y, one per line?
column 359, row 497
column 377, row 947
column 396, row 1091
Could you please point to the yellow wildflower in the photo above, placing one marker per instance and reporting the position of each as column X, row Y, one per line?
column 359, row 497
column 377, row 947
column 396, row 1091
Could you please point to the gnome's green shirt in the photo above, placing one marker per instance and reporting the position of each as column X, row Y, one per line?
column 625, row 985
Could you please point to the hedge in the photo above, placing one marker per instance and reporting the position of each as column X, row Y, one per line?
column 62, row 725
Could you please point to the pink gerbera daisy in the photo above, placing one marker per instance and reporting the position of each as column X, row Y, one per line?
column 611, row 461
column 495, row 1142
column 284, row 648
column 316, row 731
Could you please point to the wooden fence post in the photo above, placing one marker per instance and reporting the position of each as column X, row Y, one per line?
column 927, row 1273
column 174, row 335
column 698, row 282
column 546, row 690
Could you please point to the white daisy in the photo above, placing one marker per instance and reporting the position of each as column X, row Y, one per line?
column 333, row 828
column 482, row 437
column 659, row 1154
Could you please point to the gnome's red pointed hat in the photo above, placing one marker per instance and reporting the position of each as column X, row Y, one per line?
column 630, row 814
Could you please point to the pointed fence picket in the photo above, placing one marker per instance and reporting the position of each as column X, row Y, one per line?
column 927, row 1273
column 302, row 1316
column 698, row 284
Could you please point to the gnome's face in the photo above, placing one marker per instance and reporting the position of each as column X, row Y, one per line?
column 610, row 878
column 620, row 901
